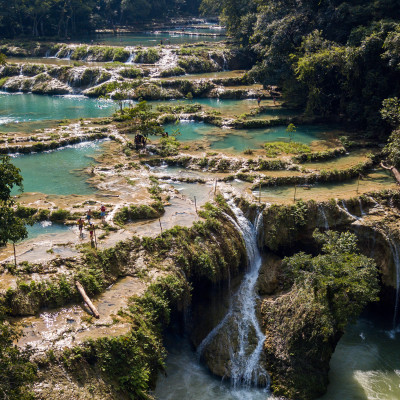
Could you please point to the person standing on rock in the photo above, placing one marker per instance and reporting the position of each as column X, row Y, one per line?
column 259, row 101
column 80, row 225
column 103, row 213
column 91, row 231
column 89, row 215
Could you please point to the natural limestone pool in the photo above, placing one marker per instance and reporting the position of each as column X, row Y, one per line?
column 58, row 172
column 16, row 108
column 150, row 38
column 45, row 228
column 374, row 181
column 238, row 140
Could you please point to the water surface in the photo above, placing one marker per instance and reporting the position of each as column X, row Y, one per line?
column 374, row 181
column 188, row 379
column 365, row 364
column 58, row 172
column 146, row 38
column 239, row 140
column 22, row 108
column 45, row 228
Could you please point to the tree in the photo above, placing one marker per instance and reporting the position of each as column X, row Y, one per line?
column 343, row 281
column 12, row 228
column 291, row 129
column 15, row 369
column 142, row 119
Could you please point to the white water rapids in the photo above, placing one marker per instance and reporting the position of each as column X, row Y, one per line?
column 241, row 320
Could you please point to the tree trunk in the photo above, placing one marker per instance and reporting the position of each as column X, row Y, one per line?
column 86, row 299
column 15, row 255
column 394, row 171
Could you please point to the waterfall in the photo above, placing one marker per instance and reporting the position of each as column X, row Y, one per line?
column 131, row 58
column 325, row 219
column 169, row 59
column 225, row 64
column 395, row 249
column 361, row 209
column 259, row 224
column 241, row 319
column 344, row 209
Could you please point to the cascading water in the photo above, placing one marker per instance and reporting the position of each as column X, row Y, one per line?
column 225, row 62
column 361, row 209
column 241, row 321
column 325, row 219
column 132, row 56
column 395, row 249
column 344, row 209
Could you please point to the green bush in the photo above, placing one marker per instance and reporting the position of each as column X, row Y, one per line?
column 275, row 148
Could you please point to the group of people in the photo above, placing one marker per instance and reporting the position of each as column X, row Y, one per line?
column 140, row 141
column 91, row 227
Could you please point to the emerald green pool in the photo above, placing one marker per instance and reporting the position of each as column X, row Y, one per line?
column 45, row 228
column 239, row 140
column 22, row 108
column 231, row 107
column 366, row 363
column 58, row 172
column 147, row 38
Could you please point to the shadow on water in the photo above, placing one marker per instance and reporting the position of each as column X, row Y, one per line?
column 366, row 362
column 188, row 379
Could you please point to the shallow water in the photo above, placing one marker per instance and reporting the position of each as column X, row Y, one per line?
column 365, row 364
column 19, row 108
column 342, row 162
column 45, row 228
column 188, row 379
column 208, row 75
column 146, row 39
column 374, row 181
column 239, row 140
column 58, row 172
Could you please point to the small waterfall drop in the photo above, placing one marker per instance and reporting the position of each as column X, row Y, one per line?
column 225, row 62
column 395, row 249
column 325, row 219
column 344, row 209
column 131, row 59
column 363, row 214
column 241, row 319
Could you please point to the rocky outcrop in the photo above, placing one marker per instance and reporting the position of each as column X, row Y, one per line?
column 297, row 347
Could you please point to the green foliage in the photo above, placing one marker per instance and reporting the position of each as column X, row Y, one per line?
column 37, row 18
column 9, row 177
column 59, row 215
column 275, row 148
column 391, row 111
column 168, row 146
column 3, row 59
column 143, row 211
column 12, row 228
column 134, row 360
column 16, row 371
column 176, row 71
column 338, row 59
column 147, row 56
column 140, row 119
column 341, row 279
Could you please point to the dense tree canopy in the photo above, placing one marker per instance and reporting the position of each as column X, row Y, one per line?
column 343, row 281
column 335, row 58
column 64, row 18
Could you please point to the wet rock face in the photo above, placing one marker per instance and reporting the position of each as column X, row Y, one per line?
column 297, row 346
column 268, row 279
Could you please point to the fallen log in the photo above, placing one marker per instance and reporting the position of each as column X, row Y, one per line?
column 394, row 171
column 87, row 300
